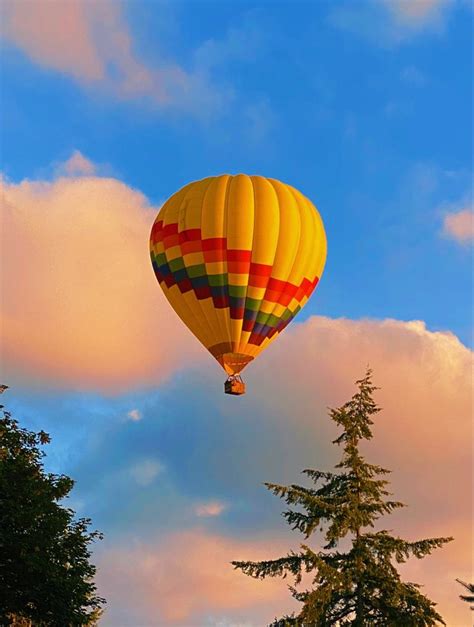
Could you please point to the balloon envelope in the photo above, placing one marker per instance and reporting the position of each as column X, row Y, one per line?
column 237, row 258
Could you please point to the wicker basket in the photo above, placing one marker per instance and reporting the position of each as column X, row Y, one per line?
column 234, row 386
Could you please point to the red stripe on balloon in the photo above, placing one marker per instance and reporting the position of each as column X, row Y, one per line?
column 238, row 262
column 214, row 243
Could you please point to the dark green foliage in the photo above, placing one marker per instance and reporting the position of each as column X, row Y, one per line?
column 359, row 587
column 469, row 598
column 45, row 573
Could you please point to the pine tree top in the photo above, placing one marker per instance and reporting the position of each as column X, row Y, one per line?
column 355, row 415
column 355, row 496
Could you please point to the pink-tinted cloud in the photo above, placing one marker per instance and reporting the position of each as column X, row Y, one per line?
column 186, row 579
column 77, row 165
column 391, row 22
column 212, row 508
column 90, row 41
column 426, row 393
column 418, row 14
column 459, row 225
column 80, row 304
column 57, row 35
column 82, row 39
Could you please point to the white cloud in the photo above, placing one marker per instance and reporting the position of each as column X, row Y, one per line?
column 260, row 120
column 145, row 471
column 394, row 109
column 413, row 76
column 134, row 415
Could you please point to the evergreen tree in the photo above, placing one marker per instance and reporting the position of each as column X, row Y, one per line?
column 469, row 598
column 45, row 574
column 360, row 586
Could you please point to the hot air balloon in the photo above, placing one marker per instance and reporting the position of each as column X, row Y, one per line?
column 237, row 258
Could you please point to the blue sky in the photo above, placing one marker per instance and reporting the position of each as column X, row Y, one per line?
column 365, row 107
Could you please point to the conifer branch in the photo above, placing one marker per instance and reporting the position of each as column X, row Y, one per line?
column 469, row 598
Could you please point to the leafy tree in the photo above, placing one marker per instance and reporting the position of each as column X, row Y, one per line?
column 469, row 598
column 360, row 586
column 45, row 574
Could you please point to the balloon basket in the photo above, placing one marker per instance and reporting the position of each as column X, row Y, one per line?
column 234, row 385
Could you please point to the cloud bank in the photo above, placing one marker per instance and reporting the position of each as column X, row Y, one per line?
column 187, row 579
column 80, row 305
